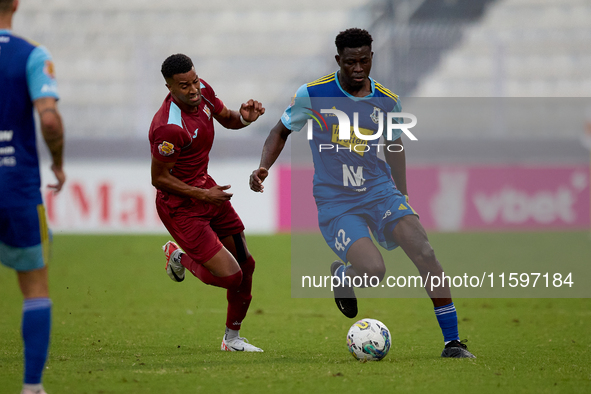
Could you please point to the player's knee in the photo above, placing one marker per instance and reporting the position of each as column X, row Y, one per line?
column 378, row 270
column 234, row 281
column 371, row 269
column 370, row 265
column 248, row 267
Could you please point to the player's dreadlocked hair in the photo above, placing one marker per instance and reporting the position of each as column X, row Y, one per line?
column 175, row 64
column 352, row 38
column 6, row 5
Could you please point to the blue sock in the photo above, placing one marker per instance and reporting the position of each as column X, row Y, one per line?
column 341, row 273
column 36, row 326
column 448, row 321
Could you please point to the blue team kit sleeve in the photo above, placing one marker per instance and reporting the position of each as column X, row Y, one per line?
column 40, row 74
column 396, row 133
column 296, row 115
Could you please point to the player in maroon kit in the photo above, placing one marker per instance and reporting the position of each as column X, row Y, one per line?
column 195, row 210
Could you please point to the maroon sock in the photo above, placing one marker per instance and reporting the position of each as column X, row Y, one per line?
column 227, row 282
column 239, row 299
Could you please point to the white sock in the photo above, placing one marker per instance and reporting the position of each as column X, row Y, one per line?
column 176, row 256
column 231, row 334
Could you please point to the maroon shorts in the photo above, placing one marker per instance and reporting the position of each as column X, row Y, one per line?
column 198, row 227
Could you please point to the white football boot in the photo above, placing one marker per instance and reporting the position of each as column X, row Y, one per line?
column 174, row 268
column 238, row 344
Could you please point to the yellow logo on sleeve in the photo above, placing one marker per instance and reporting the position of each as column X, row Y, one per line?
column 166, row 148
column 49, row 69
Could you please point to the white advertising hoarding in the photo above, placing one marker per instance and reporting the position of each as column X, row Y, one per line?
column 118, row 197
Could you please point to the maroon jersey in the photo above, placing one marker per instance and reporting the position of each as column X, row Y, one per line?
column 185, row 138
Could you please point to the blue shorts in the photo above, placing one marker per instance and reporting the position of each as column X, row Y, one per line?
column 24, row 237
column 380, row 217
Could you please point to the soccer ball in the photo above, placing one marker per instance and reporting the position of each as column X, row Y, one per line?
column 368, row 340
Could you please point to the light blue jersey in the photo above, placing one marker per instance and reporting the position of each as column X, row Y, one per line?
column 345, row 170
column 26, row 74
column 353, row 188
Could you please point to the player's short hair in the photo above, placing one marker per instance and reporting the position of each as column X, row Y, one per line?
column 6, row 5
column 352, row 38
column 175, row 64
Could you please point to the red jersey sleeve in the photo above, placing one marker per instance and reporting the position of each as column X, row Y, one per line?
column 168, row 141
column 209, row 94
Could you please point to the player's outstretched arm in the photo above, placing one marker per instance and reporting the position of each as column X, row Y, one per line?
column 248, row 113
column 397, row 163
column 273, row 146
column 163, row 180
column 53, row 134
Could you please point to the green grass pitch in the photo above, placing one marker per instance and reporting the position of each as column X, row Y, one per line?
column 120, row 325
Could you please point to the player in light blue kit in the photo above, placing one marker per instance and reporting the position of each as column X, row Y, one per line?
column 27, row 84
column 355, row 191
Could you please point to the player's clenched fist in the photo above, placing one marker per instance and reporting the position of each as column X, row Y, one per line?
column 256, row 179
column 251, row 110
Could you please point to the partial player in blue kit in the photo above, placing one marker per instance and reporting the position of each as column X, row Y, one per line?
column 27, row 84
column 355, row 191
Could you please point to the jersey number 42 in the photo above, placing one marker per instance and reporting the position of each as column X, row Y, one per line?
column 340, row 245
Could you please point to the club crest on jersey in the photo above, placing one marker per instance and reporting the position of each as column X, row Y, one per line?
column 375, row 115
column 166, row 148
column 207, row 112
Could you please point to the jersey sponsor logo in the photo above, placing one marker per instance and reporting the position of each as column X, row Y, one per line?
column 8, row 161
column 195, row 133
column 207, row 111
column 49, row 69
column 354, row 144
column 7, row 150
column 353, row 176
column 387, row 213
column 4, row 39
column 166, row 148
column 6, row 135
